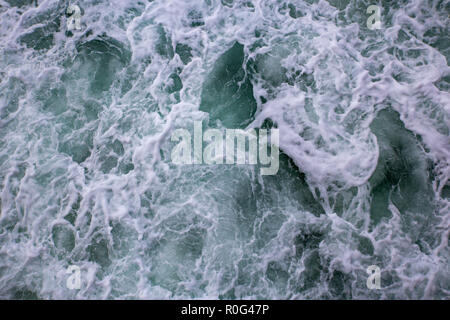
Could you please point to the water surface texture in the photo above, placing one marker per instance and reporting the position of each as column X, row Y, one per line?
column 86, row 177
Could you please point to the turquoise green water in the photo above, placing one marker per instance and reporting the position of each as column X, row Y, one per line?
column 86, row 176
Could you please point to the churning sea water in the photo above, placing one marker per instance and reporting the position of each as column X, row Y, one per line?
column 86, row 177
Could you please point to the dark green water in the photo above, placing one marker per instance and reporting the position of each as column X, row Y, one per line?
column 87, row 178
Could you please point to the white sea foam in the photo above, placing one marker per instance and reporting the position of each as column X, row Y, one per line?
column 85, row 171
